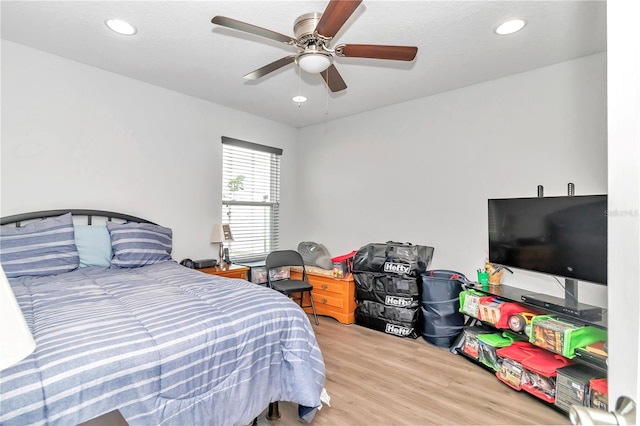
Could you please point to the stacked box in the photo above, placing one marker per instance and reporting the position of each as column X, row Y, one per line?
column 572, row 386
column 387, row 281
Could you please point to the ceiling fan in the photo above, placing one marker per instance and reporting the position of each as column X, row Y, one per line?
column 313, row 34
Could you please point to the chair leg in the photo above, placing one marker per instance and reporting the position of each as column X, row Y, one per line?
column 313, row 308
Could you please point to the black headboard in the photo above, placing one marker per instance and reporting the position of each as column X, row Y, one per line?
column 75, row 212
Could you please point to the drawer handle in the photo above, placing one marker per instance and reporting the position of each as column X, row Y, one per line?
column 324, row 286
column 324, row 300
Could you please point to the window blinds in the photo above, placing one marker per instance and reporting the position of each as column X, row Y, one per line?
column 250, row 198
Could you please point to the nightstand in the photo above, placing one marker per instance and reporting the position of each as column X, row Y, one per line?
column 228, row 270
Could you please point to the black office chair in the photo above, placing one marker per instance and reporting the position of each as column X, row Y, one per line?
column 280, row 258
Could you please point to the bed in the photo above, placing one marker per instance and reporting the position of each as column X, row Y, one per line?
column 131, row 330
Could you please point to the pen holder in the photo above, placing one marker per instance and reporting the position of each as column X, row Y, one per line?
column 483, row 278
column 496, row 277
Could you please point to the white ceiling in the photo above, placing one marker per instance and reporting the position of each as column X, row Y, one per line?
column 177, row 47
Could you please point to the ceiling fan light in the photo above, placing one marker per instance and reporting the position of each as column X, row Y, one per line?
column 121, row 27
column 510, row 27
column 299, row 99
column 314, row 62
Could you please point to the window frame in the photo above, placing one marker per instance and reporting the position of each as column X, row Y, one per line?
column 242, row 235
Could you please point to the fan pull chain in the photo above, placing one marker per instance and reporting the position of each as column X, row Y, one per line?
column 299, row 78
column 326, row 92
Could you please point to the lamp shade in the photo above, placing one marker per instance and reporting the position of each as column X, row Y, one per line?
column 314, row 62
column 221, row 233
column 16, row 341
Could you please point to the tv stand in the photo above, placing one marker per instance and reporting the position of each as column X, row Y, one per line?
column 592, row 315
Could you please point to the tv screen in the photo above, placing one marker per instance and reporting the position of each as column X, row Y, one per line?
column 564, row 236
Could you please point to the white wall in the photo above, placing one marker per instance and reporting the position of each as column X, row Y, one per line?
column 623, row 46
column 74, row 136
column 422, row 171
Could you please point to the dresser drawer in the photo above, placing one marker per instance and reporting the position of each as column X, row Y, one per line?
column 322, row 283
column 322, row 298
column 339, row 287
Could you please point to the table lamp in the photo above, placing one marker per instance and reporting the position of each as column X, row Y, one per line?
column 221, row 233
column 16, row 341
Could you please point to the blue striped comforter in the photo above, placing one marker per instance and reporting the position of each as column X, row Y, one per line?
column 163, row 344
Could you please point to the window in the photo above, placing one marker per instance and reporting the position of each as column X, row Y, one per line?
column 250, row 197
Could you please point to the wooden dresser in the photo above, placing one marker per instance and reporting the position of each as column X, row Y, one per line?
column 333, row 297
column 228, row 270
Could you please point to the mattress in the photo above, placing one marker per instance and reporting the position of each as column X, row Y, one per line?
column 163, row 344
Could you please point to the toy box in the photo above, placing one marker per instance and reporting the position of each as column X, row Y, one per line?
column 542, row 369
column 561, row 336
column 599, row 394
column 489, row 309
column 530, row 368
column 470, row 302
column 488, row 345
column 342, row 265
column 470, row 345
column 511, row 371
column 497, row 312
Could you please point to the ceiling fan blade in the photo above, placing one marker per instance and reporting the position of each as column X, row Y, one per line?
column 376, row 51
column 333, row 79
column 261, row 72
column 335, row 15
column 252, row 29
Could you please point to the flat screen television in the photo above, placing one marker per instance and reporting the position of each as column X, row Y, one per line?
column 563, row 236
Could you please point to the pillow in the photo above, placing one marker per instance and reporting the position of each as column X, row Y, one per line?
column 94, row 245
column 139, row 244
column 45, row 247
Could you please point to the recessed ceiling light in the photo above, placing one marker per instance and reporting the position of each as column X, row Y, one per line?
column 120, row 26
column 510, row 27
column 299, row 99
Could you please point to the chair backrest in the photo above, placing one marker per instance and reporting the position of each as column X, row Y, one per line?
column 279, row 258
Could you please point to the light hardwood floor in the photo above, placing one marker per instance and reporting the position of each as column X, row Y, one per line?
column 377, row 379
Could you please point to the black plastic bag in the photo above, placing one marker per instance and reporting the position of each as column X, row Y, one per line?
column 402, row 322
column 393, row 258
column 391, row 290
